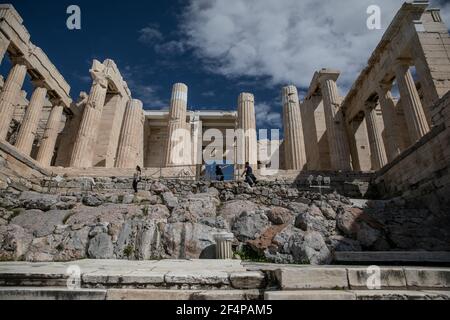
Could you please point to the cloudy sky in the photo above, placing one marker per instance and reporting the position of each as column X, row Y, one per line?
column 218, row 47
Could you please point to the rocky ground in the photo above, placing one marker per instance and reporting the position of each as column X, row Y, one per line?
column 270, row 222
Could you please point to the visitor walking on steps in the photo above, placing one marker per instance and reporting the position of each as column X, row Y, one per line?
column 137, row 177
column 219, row 173
column 249, row 176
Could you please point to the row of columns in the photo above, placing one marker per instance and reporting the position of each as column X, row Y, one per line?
column 28, row 129
column 386, row 150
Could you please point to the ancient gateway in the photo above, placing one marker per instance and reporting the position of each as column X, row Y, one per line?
column 367, row 130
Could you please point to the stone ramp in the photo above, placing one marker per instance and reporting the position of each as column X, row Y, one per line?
column 216, row 280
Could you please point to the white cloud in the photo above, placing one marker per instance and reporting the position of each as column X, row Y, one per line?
column 287, row 40
column 265, row 117
column 170, row 47
column 150, row 35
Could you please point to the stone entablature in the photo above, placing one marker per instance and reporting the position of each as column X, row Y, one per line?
column 14, row 33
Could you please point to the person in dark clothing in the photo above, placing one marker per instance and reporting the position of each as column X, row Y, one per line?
column 137, row 177
column 219, row 173
column 249, row 176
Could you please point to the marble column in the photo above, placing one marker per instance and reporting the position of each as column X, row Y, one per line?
column 4, row 44
column 389, row 118
column 414, row 113
column 295, row 154
column 377, row 151
column 131, row 144
column 337, row 138
column 28, row 128
column 247, row 123
column 47, row 148
column 11, row 90
column 83, row 150
column 177, row 122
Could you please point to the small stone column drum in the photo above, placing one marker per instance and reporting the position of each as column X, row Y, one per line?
column 224, row 248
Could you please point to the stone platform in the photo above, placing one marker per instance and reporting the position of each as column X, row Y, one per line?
column 215, row 280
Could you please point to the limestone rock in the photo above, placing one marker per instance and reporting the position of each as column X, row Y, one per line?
column 40, row 223
column 92, row 201
column 310, row 249
column 101, row 247
column 231, row 210
column 188, row 240
column 279, row 216
column 170, row 200
column 250, row 225
column 34, row 200
column 14, row 242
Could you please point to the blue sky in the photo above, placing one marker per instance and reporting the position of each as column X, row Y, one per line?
column 219, row 48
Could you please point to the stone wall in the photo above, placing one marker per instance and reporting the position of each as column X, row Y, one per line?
column 19, row 172
column 422, row 172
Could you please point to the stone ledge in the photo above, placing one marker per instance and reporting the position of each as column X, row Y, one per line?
column 23, row 293
column 391, row 278
column 312, row 278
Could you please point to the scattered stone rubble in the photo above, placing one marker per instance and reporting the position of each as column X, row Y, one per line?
column 177, row 220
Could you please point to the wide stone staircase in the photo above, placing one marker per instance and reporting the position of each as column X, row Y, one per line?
column 217, row 280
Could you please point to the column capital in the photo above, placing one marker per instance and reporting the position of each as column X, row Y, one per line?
column 99, row 78
column 39, row 83
column 370, row 105
column 328, row 74
column 19, row 60
column 384, row 87
column 403, row 63
column 246, row 97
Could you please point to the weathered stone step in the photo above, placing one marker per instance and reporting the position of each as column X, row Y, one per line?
column 49, row 293
column 122, row 274
column 357, row 295
column 360, row 278
column 393, row 257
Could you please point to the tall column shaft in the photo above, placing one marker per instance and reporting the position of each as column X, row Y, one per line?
column 377, row 151
column 177, row 122
column 28, row 128
column 47, row 148
column 4, row 44
column 247, row 123
column 414, row 113
column 295, row 154
column 337, row 139
column 390, row 126
column 131, row 138
column 11, row 90
column 83, row 152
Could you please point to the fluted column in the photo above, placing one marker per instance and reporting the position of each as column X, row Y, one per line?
column 247, row 123
column 295, row 154
column 414, row 113
column 28, row 128
column 389, row 118
column 11, row 90
column 130, row 142
column 83, row 150
column 177, row 122
column 377, row 151
column 47, row 148
column 4, row 44
column 337, row 138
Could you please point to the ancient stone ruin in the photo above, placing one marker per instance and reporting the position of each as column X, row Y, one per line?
column 66, row 166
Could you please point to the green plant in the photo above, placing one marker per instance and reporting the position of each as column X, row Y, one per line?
column 248, row 254
column 60, row 247
column 15, row 213
column 128, row 251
